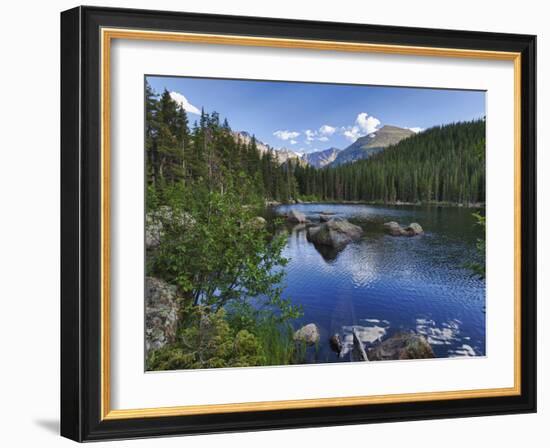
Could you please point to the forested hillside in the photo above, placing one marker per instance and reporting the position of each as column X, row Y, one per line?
column 207, row 243
column 441, row 164
column 207, row 151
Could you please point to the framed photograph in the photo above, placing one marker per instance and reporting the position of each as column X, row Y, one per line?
column 276, row 224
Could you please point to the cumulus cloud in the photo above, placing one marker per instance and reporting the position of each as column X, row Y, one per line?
column 364, row 124
column 327, row 130
column 352, row 133
column 310, row 135
column 293, row 142
column 416, row 130
column 367, row 123
column 322, row 134
column 184, row 103
column 286, row 135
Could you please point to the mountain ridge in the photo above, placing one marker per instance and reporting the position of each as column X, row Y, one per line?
column 370, row 144
column 320, row 159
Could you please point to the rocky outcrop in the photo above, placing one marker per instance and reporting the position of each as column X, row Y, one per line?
column 324, row 218
column 309, row 334
column 402, row 346
column 335, row 233
column 296, row 217
column 258, row 222
column 395, row 229
column 156, row 220
column 161, row 313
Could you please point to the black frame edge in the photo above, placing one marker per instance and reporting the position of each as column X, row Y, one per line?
column 71, row 384
column 80, row 230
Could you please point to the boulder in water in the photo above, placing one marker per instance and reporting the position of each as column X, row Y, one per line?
column 308, row 334
column 402, row 346
column 336, row 343
column 335, row 233
column 296, row 216
column 414, row 229
column 395, row 229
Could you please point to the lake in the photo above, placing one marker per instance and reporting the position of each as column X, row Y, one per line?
column 382, row 285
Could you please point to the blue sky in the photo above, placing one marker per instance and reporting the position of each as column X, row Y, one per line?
column 307, row 117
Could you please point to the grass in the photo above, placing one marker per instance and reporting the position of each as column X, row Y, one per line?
column 278, row 345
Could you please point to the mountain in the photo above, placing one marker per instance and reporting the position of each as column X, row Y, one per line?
column 370, row 144
column 281, row 155
column 246, row 138
column 441, row 164
column 320, row 159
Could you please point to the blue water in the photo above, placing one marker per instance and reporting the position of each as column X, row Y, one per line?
column 381, row 284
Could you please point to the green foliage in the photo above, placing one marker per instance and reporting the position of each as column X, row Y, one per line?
column 204, row 193
column 478, row 267
column 213, row 251
column 205, row 340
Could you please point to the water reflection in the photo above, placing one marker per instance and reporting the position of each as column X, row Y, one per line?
column 381, row 285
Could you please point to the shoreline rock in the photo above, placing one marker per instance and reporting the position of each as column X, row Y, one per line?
column 161, row 313
column 258, row 222
column 309, row 334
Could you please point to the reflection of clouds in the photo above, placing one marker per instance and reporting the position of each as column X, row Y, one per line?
column 447, row 334
column 359, row 264
column 373, row 331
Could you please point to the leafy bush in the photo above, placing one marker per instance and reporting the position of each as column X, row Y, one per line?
column 205, row 340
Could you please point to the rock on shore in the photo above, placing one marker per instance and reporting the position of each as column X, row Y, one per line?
column 308, row 333
column 161, row 313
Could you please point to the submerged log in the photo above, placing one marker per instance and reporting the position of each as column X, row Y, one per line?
column 358, row 352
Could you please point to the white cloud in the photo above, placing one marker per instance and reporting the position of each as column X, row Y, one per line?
column 352, row 133
column 293, row 142
column 310, row 135
column 186, row 105
column 367, row 124
column 322, row 134
column 416, row 130
column 286, row 135
column 327, row 130
column 364, row 124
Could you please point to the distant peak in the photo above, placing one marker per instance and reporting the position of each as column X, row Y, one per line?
column 391, row 127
